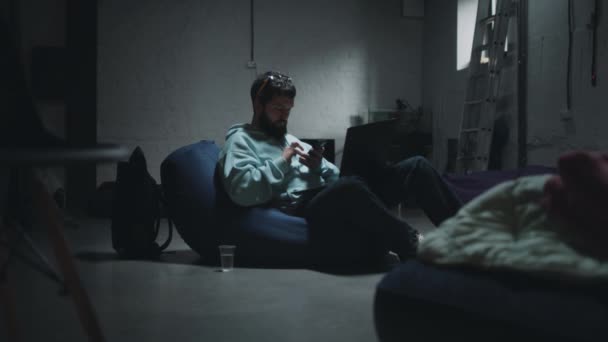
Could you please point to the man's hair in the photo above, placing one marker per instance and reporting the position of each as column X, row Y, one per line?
column 270, row 84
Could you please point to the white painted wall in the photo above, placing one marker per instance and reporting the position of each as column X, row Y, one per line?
column 549, row 135
column 443, row 86
column 172, row 73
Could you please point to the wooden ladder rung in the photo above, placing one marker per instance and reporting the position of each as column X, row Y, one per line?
column 474, row 102
column 488, row 19
column 470, row 130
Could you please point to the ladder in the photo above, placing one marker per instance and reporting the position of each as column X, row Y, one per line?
column 484, row 83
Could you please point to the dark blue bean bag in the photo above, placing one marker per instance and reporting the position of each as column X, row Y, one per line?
column 420, row 302
column 469, row 186
column 205, row 217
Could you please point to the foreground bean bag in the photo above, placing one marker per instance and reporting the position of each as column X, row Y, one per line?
column 205, row 217
column 422, row 302
column 502, row 269
column 507, row 227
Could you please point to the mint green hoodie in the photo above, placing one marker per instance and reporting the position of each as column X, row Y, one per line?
column 254, row 172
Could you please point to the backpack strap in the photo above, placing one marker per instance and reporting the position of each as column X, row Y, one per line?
column 170, row 237
column 163, row 204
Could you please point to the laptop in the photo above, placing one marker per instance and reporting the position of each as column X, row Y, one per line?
column 367, row 147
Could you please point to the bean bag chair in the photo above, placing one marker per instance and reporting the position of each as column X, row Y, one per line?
column 469, row 186
column 205, row 217
column 499, row 270
column 424, row 302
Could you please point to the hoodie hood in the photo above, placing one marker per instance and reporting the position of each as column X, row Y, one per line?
column 237, row 128
column 251, row 131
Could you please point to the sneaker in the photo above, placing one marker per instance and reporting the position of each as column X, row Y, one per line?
column 420, row 237
column 408, row 248
column 415, row 238
column 391, row 260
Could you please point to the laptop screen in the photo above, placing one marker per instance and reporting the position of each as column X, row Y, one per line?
column 367, row 146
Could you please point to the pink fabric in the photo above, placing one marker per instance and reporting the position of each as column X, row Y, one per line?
column 579, row 194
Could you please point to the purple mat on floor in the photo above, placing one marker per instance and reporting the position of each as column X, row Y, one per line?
column 469, row 186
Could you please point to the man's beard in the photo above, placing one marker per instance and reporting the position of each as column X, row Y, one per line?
column 273, row 129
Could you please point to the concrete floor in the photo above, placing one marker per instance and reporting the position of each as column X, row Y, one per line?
column 178, row 299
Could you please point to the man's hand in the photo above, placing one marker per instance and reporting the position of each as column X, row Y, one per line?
column 291, row 151
column 312, row 159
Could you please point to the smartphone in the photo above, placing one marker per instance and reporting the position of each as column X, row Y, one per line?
column 318, row 144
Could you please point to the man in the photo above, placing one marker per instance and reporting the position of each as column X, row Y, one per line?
column 262, row 165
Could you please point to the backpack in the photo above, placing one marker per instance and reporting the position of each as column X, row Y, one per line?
column 137, row 207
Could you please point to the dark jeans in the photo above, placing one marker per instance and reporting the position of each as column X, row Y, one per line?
column 349, row 222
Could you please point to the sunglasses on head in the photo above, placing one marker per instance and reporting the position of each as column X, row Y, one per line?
column 278, row 81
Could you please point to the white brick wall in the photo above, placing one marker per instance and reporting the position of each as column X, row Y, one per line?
column 443, row 85
column 548, row 135
column 172, row 73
